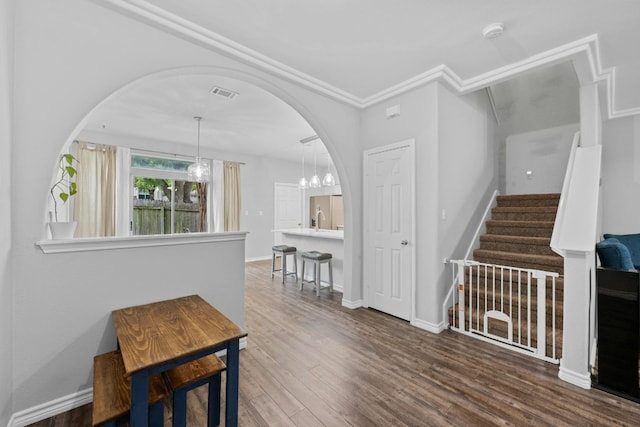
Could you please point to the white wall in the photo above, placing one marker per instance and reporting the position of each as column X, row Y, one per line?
column 6, row 122
column 455, row 170
column 71, row 55
column 545, row 154
column 467, row 177
column 418, row 120
column 621, row 176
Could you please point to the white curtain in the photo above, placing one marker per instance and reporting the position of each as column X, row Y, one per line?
column 217, row 200
column 95, row 204
column 232, row 202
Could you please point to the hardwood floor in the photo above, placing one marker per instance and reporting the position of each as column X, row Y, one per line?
column 311, row 362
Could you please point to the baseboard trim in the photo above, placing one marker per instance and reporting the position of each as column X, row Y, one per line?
column 259, row 258
column 49, row 409
column 575, row 378
column 435, row 328
column 63, row 404
column 352, row 304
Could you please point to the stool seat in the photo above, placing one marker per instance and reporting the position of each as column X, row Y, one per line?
column 284, row 248
column 315, row 255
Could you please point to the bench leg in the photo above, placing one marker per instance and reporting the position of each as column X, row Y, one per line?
column 302, row 277
column 213, row 409
column 180, row 407
column 156, row 414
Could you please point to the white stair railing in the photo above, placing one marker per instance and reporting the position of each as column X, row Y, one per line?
column 495, row 303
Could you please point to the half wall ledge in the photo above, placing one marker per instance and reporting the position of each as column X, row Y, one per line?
column 107, row 243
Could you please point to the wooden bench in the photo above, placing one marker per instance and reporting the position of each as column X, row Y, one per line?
column 112, row 392
column 191, row 375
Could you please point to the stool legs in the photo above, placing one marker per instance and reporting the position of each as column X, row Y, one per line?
column 317, row 274
column 283, row 267
column 273, row 264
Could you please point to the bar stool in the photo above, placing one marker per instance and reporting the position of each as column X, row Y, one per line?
column 283, row 251
column 317, row 259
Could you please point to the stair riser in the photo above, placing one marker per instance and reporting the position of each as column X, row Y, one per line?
column 520, row 216
column 509, row 230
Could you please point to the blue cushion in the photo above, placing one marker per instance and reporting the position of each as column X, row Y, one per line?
column 632, row 242
column 614, row 254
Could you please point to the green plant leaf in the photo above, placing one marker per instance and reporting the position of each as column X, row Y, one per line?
column 71, row 171
column 69, row 158
column 73, row 188
column 64, row 196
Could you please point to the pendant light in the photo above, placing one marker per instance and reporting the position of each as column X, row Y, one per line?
column 328, row 180
column 314, row 182
column 199, row 170
column 303, row 183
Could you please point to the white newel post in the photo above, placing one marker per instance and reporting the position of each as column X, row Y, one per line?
column 574, row 364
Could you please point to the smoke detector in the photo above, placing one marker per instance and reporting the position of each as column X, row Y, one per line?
column 492, row 31
column 225, row 93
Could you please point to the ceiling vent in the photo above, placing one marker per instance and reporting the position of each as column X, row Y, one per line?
column 225, row 93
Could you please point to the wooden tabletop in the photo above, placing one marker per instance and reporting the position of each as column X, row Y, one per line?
column 160, row 332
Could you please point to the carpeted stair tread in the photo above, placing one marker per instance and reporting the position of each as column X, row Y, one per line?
column 536, row 262
column 520, row 244
column 527, row 213
column 520, row 228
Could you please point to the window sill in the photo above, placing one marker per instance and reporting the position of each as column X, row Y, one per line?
column 107, row 243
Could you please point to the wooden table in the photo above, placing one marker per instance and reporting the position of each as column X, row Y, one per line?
column 159, row 336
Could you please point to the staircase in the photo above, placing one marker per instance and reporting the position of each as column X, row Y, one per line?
column 517, row 235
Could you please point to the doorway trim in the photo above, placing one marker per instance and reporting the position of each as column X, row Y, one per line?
column 410, row 145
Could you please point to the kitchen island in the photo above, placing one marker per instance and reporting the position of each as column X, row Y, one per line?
column 308, row 239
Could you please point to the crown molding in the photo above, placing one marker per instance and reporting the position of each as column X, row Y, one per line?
column 585, row 54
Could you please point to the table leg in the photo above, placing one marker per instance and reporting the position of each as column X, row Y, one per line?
column 139, row 399
column 233, row 371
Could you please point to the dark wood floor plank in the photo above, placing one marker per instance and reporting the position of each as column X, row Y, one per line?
column 311, row 362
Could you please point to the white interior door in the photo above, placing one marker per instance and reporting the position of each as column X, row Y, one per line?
column 287, row 208
column 389, row 229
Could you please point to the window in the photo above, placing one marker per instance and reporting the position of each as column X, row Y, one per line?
column 163, row 201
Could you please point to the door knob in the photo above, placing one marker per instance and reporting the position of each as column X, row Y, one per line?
column 404, row 242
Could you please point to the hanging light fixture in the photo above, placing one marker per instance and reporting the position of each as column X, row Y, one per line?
column 303, row 183
column 199, row 170
column 314, row 182
column 328, row 180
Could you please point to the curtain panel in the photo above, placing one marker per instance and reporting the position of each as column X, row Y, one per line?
column 95, row 204
column 232, row 202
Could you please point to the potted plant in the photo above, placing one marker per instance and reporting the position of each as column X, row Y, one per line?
column 64, row 188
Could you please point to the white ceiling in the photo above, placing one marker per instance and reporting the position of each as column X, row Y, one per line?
column 360, row 47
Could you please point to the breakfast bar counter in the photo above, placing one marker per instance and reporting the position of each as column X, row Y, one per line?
column 308, row 239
